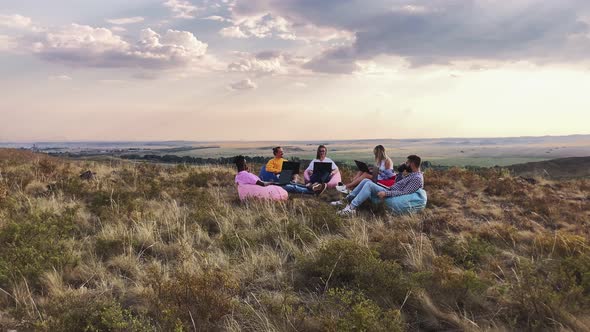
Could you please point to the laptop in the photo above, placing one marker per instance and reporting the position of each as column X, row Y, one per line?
column 322, row 168
column 362, row 166
column 285, row 177
column 291, row 165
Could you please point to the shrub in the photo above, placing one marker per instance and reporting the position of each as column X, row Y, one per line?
column 346, row 310
column 92, row 313
column 3, row 191
column 452, row 286
column 197, row 179
column 106, row 248
column 469, row 253
column 547, row 289
column 343, row 263
column 323, row 219
column 46, row 167
column 203, row 297
column 35, row 242
column 36, row 189
column 504, row 187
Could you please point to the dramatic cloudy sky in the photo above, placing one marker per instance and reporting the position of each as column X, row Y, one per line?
column 292, row 69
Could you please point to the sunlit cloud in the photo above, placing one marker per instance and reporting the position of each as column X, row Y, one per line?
column 181, row 8
column 86, row 46
column 15, row 21
column 125, row 20
column 245, row 84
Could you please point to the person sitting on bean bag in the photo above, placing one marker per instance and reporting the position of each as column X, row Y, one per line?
column 314, row 179
column 385, row 174
column 250, row 186
column 273, row 167
column 406, row 195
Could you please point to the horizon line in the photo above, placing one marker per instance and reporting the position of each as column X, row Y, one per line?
column 280, row 140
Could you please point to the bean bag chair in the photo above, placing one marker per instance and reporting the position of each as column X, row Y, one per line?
column 331, row 184
column 405, row 204
column 267, row 176
column 273, row 193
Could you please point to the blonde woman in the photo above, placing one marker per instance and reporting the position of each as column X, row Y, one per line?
column 385, row 174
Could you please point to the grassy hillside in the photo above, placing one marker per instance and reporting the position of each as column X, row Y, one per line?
column 146, row 247
column 555, row 168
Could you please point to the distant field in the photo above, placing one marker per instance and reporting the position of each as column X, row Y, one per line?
column 445, row 151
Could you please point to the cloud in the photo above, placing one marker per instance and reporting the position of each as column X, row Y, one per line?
column 7, row 43
column 232, row 32
column 245, row 84
column 439, row 32
column 266, row 63
column 60, row 78
column 15, row 21
column 334, row 61
column 125, row 20
column 262, row 26
column 181, row 8
column 215, row 18
column 118, row 29
column 85, row 46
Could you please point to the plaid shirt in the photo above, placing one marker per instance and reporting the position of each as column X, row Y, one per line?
column 405, row 185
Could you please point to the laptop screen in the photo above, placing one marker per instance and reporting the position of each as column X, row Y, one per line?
column 291, row 165
column 321, row 168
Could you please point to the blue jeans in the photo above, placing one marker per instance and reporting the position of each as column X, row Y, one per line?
column 400, row 204
column 297, row 188
column 267, row 176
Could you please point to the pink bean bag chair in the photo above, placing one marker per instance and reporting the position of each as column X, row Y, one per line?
column 273, row 193
column 333, row 181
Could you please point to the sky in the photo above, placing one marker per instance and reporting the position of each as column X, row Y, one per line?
column 207, row 70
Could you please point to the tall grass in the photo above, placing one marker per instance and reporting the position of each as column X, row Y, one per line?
column 144, row 247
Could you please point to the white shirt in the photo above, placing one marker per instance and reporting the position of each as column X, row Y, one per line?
column 326, row 160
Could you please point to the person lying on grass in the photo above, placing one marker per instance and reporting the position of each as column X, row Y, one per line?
column 406, row 195
column 384, row 175
column 245, row 177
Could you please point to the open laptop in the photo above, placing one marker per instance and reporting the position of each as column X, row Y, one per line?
column 291, row 165
column 285, row 177
column 322, row 168
column 362, row 166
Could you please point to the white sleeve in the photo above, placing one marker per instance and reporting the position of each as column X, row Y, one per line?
column 310, row 167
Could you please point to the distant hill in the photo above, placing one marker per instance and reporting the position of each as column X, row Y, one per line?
column 573, row 167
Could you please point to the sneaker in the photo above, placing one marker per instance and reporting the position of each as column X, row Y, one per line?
column 347, row 211
column 336, row 203
column 320, row 188
column 342, row 189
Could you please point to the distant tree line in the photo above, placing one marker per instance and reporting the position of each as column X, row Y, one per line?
column 169, row 158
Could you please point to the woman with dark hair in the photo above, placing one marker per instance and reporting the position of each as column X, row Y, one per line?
column 318, row 178
column 385, row 174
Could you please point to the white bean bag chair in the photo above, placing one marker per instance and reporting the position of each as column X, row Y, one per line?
column 273, row 193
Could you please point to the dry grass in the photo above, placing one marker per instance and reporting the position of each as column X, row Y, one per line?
column 147, row 247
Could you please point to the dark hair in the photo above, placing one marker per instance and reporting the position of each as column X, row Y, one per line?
column 317, row 155
column 414, row 159
column 275, row 150
column 240, row 162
